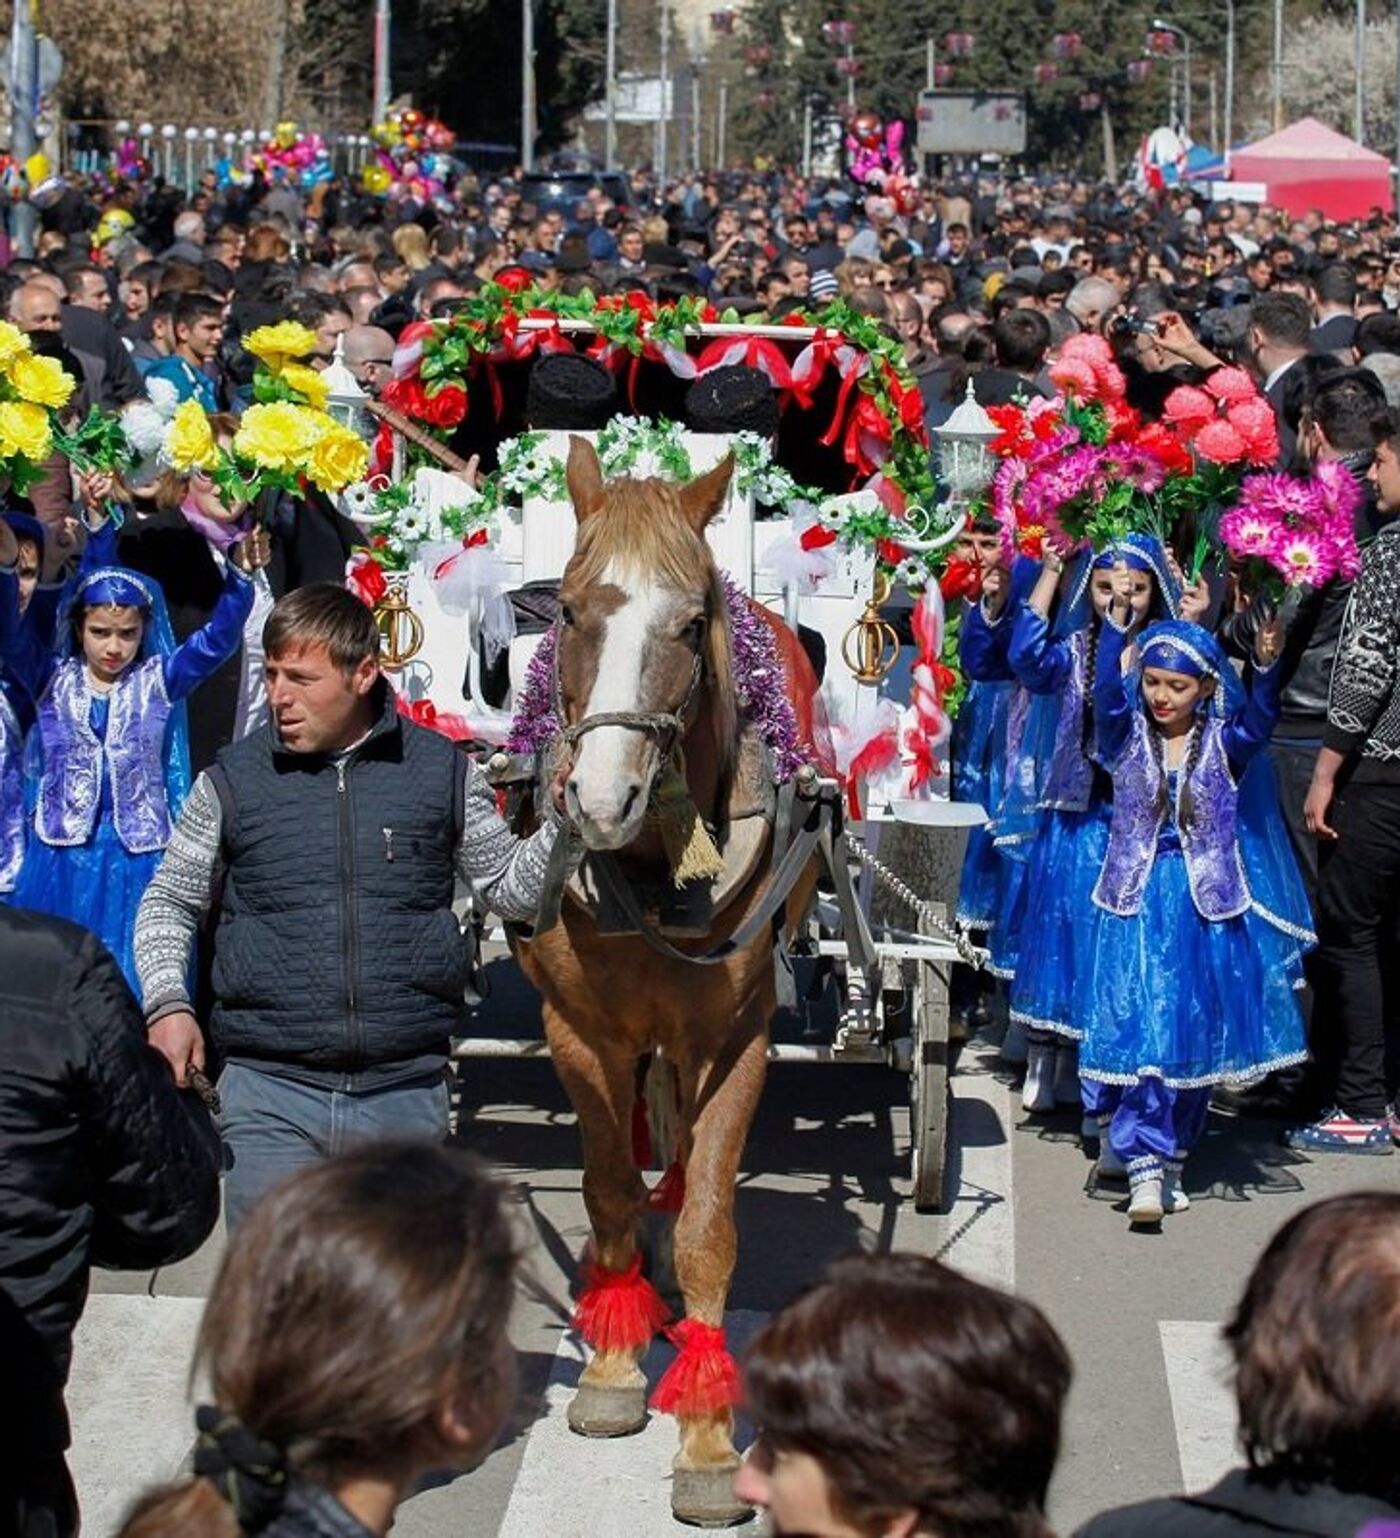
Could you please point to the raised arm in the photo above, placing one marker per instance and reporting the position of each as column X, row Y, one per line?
column 1113, row 704
column 219, row 637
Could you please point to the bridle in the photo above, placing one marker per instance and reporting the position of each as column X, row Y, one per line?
column 665, row 725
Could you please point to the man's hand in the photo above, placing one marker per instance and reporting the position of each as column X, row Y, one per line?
column 1268, row 642
column 1316, row 808
column 178, row 1039
column 253, row 552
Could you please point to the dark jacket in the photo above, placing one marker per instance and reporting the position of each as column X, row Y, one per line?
column 102, row 1162
column 338, row 961
column 1335, row 334
column 1243, row 1504
column 1310, row 642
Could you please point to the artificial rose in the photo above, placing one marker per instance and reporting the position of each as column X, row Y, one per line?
column 1188, row 408
column 1220, row 443
column 405, row 396
column 189, row 440
column 307, row 382
column 44, row 381
column 274, row 345
column 365, row 578
column 337, row 459
column 1254, row 421
column 24, row 431
column 445, row 407
column 1166, row 448
column 13, row 343
column 1231, row 385
column 277, row 436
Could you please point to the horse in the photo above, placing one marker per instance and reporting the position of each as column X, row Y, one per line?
column 643, row 668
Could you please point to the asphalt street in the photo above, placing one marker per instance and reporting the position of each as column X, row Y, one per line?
column 826, row 1170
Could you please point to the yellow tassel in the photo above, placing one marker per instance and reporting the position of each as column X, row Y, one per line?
column 689, row 848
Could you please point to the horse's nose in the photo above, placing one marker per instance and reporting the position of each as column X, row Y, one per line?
column 629, row 800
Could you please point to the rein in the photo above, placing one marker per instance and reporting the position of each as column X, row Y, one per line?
column 659, row 723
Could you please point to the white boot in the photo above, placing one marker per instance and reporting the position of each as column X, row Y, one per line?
column 1174, row 1197
column 1145, row 1198
column 1014, row 1047
column 1067, row 1074
column 1038, row 1092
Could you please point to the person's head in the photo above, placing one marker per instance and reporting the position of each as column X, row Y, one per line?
column 1142, row 583
column 899, row 1397
column 1384, row 473
column 108, row 617
column 321, row 662
column 1336, row 422
column 35, row 307
column 1021, row 338
column 86, row 287
column 1316, row 1345
column 958, row 239
column 391, row 273
column 630, row 243
column 1176, row 680
column 1279, row 324
column 356, row 1329
column 326, row 315
column 1378, row 333
column 1334, row 287
column 189, row 226
column 29, row 538
column 198, row 327
column 369, row 355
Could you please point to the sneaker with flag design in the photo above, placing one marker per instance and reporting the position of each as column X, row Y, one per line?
column 1336, row 1132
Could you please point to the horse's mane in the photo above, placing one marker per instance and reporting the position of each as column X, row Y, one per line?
column 640, row 529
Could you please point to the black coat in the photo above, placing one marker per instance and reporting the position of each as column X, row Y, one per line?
column 1242, row 1505
column 102, row 1162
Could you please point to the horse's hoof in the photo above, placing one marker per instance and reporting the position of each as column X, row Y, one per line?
column 608, row 1410
column 705, row 1497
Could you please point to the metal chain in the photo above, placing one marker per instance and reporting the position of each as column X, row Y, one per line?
column 920, row 906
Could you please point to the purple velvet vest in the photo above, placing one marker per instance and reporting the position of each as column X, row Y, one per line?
column 11, row 797
column 1070, row 777
column 1210, row 848
column 70, row 788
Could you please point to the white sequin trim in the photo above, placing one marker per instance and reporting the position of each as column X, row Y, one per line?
column 1244, row 1076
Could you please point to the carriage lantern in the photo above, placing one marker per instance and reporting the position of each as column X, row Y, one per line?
column 1090, row 101
column 722, row 21
column 965, row 460
column 1139, row 70
column 1045, row 73
column 345, row 400
column 1161, row 41
column 943, row 74
column 1066, row 45
column 959, row 45
column 840, row 33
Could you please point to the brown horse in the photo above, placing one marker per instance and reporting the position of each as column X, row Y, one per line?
column 644, row 646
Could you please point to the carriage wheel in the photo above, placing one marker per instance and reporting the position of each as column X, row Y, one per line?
column 929, row 1102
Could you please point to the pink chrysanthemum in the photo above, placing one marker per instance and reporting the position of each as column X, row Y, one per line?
column 1076, row 377
column 1339, row 492
column 1246, row 532
column 1302, row 558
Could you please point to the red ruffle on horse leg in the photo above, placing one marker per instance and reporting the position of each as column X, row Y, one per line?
column 704, row 1378
column 618, row 1310
column 668, row 1194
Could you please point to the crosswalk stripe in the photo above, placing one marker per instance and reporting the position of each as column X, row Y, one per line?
column 570, row 1486
column 1203, row 1406
column 131, row 1418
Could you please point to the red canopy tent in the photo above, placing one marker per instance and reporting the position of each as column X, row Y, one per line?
column 1309, row 165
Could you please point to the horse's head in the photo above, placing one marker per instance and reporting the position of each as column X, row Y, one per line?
column 643, row 638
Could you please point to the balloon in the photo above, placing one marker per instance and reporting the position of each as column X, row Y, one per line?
column 376, row 180
column 36, row 168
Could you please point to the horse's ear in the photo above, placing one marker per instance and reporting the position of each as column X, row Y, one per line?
column 703, row 498
column 583, row 475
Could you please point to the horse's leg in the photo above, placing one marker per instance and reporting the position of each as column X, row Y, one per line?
column 618, row 1310
column 702, row 1385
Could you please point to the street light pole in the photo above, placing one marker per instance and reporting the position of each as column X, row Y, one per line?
column 1359, row 131
column 383, row 23
column 1185, row 36
column 1278, row 65
column 23, row 90
column 527, row 84
column 1229, row 79
column 663, row 117
column 610, row 85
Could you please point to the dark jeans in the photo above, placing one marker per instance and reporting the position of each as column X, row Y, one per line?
column 39, row 1501
column 1359, row 933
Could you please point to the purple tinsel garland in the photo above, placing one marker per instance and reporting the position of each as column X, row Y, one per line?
column 759, row 686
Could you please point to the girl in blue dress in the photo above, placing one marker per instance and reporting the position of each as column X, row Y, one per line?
column 1200, row 917
column 107, row 762
column 1059, row 797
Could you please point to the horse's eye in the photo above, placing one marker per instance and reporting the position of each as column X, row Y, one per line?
column 694, row 632
column 566, row 614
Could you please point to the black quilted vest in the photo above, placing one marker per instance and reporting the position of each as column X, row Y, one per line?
column 337, row 960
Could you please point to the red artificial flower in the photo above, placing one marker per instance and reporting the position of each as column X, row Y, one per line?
column 890, row 552
column 1166, row 448
column 1231, row 385
column 1254, row 421
column 1012, row 442
column 816, row 537
column 445, row 407
column 365, row 578
column 1220, row 443
column 961, row 579
column 406, row 396
column 1124, row 422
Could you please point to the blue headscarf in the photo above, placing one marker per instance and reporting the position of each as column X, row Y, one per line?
column 1181, row 647
column 1138, row 552
column 25, row 526
column 133, row 589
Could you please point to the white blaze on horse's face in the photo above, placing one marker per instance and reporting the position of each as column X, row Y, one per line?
column 632, row 638
column 615, row 767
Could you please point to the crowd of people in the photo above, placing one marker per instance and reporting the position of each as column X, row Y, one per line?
column 203, row 766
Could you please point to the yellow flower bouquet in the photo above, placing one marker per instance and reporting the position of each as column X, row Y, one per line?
column 32, row 390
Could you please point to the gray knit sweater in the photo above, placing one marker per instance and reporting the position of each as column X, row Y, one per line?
column 505, row 872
